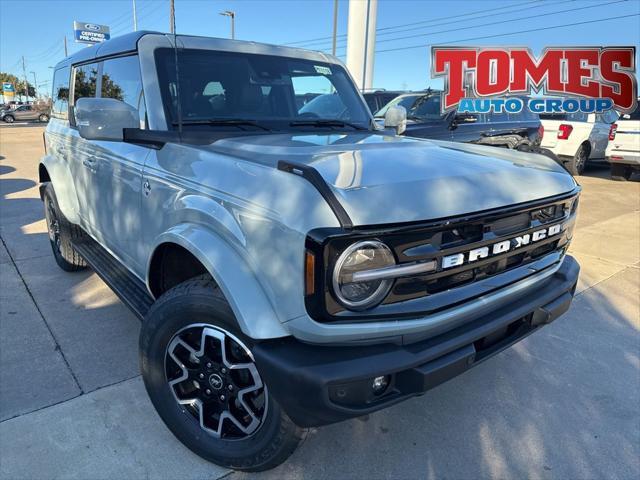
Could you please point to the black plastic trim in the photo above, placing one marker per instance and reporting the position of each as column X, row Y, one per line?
column 314, row 178
column 304, row 377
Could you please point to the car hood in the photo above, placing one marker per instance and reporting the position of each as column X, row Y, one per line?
column 381, row 179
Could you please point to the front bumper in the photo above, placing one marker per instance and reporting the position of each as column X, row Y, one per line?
column 319, row 385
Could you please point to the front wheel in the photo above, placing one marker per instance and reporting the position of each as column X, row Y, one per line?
column 43, row 118
column 8, row 118
column 200, row 374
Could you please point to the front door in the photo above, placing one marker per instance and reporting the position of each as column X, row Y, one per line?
column 111, row 172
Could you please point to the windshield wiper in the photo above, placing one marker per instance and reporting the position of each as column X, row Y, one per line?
column 325, row 123
column 234, row 122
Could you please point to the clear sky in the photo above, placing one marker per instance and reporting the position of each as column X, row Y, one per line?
column 35, row 28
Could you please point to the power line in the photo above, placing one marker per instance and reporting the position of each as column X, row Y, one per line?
column 496, row 23
column 499, row 22
column 416, row 23
column 511, row 33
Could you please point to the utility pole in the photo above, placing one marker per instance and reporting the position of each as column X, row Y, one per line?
column 26, row 84
column 335, row 26
column 172, row 17
column 35, row 84
column 135, row 18
column 65, row 46
column 232, row 16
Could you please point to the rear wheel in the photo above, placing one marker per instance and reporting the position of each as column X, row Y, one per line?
column 578, row 163
column 200, row 374
column 620, row 172
column 43, row 118
column 61, row 233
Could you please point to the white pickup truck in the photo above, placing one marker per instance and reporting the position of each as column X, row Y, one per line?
column 577, row 138
column 623, row 151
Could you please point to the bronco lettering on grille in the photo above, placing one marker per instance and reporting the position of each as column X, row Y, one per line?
column 476, row 254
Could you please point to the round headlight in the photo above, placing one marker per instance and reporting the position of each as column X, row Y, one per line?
column 360, row 256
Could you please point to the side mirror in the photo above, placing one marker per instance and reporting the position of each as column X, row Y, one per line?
column 396, row 117
column 104, row 118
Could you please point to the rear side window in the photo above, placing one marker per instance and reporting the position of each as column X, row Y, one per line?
column 121, row 80
column 60, row 95
column 86, row 80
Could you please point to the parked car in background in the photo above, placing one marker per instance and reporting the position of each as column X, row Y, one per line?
column 623, row 150
column 577, row 138
column 520, row 131
column 24, row 112
column 376, row 99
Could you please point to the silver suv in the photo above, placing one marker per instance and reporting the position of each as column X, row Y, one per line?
column 24, row 112
column 292, row 268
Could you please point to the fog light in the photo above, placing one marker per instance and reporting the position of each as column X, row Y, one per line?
column 380, row 384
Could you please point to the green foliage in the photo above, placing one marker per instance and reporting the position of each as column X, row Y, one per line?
column 19, row 84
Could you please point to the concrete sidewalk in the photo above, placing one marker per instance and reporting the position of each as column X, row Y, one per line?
column 561, row 404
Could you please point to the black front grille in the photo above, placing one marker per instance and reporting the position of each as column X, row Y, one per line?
column 434, row 241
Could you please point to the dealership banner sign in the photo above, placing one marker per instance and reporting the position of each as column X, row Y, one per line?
column 570, row 79
column 8, row 89
column 90, row 32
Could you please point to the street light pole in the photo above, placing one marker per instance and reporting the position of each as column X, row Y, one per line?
column 172, row 17
column 232, row 16
column 135, row 17
column 335, row 26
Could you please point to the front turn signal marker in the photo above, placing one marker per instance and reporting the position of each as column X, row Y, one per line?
column 309, row 273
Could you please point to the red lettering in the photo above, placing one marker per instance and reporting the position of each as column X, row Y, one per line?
column 492, row 64
column 456, row 60
column 577, row 71
column 547, row 67
column 611, row 60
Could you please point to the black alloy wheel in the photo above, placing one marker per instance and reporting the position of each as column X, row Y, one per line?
column 211, row 373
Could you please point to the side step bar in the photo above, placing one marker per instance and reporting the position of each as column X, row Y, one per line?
column 124, row 284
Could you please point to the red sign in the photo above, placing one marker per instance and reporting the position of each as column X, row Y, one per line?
column 593, row 72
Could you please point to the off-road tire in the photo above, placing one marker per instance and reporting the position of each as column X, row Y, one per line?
column 200, row 301
column 577, row 164
column 620, row 172
column 65, row 255
column 43, row 118
column 9, row 119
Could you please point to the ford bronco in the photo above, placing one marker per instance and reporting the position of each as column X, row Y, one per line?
column 291, row 268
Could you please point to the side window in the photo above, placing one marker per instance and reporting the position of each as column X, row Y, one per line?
column 86, row 78
column 121, row 80
column 371, row 102
column 60, row 96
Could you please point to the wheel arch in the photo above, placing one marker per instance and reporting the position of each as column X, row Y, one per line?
column 202, row 248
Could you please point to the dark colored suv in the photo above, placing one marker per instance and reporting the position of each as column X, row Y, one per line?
column 376, row 99
column 522, row 131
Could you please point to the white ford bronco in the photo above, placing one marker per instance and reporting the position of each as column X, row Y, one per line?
column 291, row 268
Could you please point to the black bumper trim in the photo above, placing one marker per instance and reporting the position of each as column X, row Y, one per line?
column 318, row 385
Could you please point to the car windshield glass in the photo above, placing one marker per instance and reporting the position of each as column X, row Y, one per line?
column 420, row 107
column 569, row 117
column 217, row 89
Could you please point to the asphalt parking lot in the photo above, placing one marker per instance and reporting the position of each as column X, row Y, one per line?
column 562, row 404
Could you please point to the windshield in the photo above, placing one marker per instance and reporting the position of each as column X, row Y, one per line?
column 420, row 107
column 226, row 89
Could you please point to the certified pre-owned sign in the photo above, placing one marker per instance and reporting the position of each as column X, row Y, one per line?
column 90, row 32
